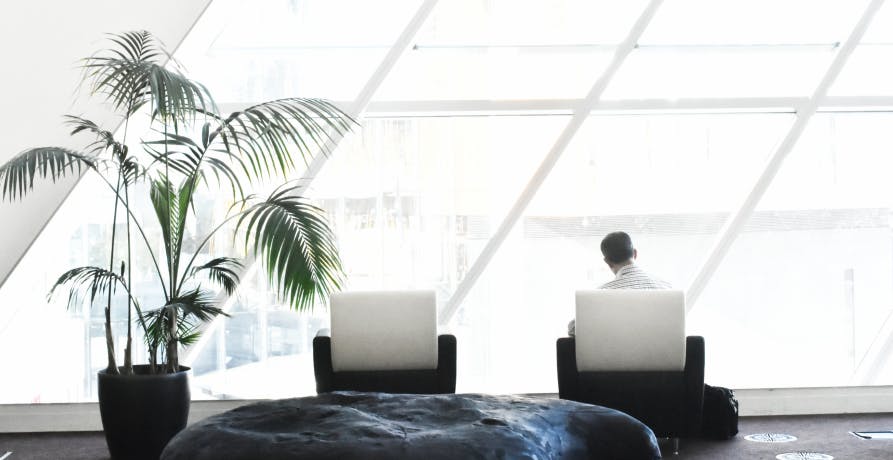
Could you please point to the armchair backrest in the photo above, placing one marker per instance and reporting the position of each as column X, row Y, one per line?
column 630, row 330
column 383, row 330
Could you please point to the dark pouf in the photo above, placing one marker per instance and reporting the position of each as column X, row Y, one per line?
column 348, row 425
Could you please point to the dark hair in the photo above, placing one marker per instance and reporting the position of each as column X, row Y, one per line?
column 617, row 247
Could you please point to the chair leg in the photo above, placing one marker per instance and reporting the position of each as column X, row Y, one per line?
column 675, row 446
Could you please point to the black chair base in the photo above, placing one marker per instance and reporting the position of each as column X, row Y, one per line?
column 415, row 381
column 670, row 403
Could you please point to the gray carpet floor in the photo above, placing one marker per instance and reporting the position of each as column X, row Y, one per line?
column 827, row 434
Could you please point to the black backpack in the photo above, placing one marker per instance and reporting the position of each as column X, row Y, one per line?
column 720, row 416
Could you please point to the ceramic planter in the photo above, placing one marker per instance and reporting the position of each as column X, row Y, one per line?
column 143, row 411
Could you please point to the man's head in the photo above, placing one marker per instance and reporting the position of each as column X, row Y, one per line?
column 617, row 247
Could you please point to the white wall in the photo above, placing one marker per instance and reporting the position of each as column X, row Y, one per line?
column 41, row 42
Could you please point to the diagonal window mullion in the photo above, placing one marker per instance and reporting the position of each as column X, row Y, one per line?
column 736, row 223
column 581, row 113
column 355, row 110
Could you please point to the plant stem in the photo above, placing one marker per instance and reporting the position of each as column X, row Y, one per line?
column 173, row 339
column 143, row 234
column 128, row 352
column 204, row 242
column 112, row 367
column 173, row 362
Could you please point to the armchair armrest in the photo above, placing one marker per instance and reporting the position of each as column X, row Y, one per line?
column 694, row 383
column 567, row 368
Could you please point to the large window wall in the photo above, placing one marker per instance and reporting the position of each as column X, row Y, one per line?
column 450, row 140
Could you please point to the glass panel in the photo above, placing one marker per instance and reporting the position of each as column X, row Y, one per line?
column 703, row 48
column 529, row 22
column 761, row 71
column 810, row 274
column 78, row 235
column 262, row 350
column 31, row 328
column 881, row 28
column 505, row 49
column 413, row 201
column 751, row 22
column 869, row 71
column 669, row 180
column 251, row 51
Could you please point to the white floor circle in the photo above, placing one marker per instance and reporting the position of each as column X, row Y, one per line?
column 770, row 437
column 804, row 456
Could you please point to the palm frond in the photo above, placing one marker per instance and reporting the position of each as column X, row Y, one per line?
column 197, row 304
column 194, row 307
column 162, row 194
column 171, row 208
column 132, row 74
column 104, row 139
column 223, row 271
column 178, row 161
column 185, row 156
column 265, row 135
column 17, row 175
column 133, row 171
column 295, row 245
column 94, row 280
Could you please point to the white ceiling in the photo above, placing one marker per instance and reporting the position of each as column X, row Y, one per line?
column 41, row 43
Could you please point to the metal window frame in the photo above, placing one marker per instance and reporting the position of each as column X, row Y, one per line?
column 735, row 224
column 580, row 114
column 355, row 110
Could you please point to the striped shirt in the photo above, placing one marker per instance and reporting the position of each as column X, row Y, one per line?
column 628, row 277
column 633, row 277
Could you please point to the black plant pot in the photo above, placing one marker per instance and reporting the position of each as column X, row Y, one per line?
column 142, row 412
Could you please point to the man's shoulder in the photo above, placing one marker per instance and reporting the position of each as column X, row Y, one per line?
column 635, row 278
column 613, row 284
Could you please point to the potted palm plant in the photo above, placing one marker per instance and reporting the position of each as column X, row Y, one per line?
column 190, row 146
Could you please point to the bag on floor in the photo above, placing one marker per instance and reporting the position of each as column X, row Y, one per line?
column 720, row 416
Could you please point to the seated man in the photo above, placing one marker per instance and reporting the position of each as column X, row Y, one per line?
column 620, row 255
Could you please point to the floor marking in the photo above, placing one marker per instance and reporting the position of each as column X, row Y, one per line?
column 5, row 456
column 804, row 456
column 766, row 437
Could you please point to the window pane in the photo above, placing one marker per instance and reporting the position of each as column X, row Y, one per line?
column 750, row 22
column 669, row 180
column 252, row 51
column 475, row 49
column 79, row 235
column 413, row 201
column 764, row 48
column 761, row 71
column 868, row 71
column 806, row 286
